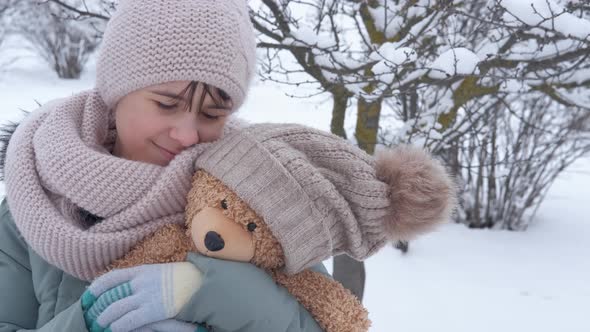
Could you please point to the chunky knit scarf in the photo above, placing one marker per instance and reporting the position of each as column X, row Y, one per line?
column 59, row 157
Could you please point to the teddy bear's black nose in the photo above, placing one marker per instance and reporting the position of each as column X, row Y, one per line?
column 213, row 241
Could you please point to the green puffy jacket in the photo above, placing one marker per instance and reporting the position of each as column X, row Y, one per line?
column 36, row 296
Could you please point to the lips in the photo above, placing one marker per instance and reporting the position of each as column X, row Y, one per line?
column 168, row 154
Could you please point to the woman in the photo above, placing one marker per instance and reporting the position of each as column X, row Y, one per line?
column 89, row 176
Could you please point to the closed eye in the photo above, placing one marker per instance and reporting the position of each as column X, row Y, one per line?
column 209, row 116
column 166, row 106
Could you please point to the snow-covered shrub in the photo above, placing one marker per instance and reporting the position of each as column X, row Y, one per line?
column 499, row 89
column 3, row 9
column 64, row 42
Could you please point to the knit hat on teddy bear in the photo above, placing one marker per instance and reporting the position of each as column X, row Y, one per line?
column 321, row 196
column 154, row 42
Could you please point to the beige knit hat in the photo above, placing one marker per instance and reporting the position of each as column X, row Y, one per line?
column 321, row 196
column 149, row 42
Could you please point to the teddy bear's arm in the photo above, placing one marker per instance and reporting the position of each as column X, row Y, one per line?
column 334, row 307
column 168, row 244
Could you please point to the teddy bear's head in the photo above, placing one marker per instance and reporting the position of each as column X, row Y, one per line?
column 222, row 226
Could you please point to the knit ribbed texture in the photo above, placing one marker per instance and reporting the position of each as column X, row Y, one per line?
column 141, row 295
column 318, row 193
column 152, row 42
column 60, row 154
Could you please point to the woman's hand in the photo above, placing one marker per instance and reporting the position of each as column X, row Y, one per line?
column 127, row 299
column 238, row 296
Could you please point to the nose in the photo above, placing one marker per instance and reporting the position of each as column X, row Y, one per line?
column 186, row 131
column 213, row 241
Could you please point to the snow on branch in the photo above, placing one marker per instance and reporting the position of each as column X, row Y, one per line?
column 548, row 15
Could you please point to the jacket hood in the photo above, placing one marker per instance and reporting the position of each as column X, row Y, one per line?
column 6, row 131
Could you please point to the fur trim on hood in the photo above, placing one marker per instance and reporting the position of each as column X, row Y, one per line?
column 6, row 131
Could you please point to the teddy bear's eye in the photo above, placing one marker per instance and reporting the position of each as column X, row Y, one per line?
column 224, row 204
column 251, row 227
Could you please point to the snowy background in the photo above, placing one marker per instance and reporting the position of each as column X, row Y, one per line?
column 455, row 279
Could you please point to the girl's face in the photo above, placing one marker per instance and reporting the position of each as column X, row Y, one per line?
column 156, row 123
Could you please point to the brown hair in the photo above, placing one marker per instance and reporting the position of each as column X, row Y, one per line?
column 220, row 97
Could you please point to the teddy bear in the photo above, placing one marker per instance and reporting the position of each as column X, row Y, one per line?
column 286, row 197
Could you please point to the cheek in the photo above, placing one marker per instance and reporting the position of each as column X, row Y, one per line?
column 268, row 251
column 135, row 125
column 209, row 132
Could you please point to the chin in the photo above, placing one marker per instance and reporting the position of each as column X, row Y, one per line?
column 162, row 163
column 154, row 161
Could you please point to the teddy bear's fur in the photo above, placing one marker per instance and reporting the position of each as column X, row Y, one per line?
column 332, row 306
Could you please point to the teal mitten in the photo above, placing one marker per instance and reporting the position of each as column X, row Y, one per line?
column 172, row 325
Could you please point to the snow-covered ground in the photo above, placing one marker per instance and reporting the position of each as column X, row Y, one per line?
column 455, row 280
